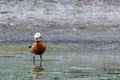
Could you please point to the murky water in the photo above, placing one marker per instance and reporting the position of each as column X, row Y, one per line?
column 61, row 62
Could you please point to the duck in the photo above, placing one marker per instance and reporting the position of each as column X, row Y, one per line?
column 38, row 47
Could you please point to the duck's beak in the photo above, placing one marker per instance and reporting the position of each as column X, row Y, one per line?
column 41, row 37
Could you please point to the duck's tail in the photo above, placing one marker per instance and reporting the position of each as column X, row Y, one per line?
column 30, row 46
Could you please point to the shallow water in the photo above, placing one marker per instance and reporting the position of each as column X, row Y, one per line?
column 61, row 62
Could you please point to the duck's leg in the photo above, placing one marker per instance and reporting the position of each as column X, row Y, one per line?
column 33, row 58
column 41, row 60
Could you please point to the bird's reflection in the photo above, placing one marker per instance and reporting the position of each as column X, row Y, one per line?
column 37, row 73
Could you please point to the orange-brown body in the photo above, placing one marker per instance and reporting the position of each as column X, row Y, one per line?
column 38, row 48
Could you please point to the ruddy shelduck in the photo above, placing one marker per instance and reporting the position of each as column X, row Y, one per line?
column 38, row 48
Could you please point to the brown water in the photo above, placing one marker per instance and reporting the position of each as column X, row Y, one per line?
column 61, row 62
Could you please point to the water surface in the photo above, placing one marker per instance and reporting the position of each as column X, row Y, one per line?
column 61, row 62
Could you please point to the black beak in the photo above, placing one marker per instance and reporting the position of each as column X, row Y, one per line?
column 41, row 37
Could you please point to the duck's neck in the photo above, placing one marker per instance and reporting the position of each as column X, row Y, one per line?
column 37, row 41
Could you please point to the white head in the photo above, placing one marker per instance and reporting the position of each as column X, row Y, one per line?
column 37, row 36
